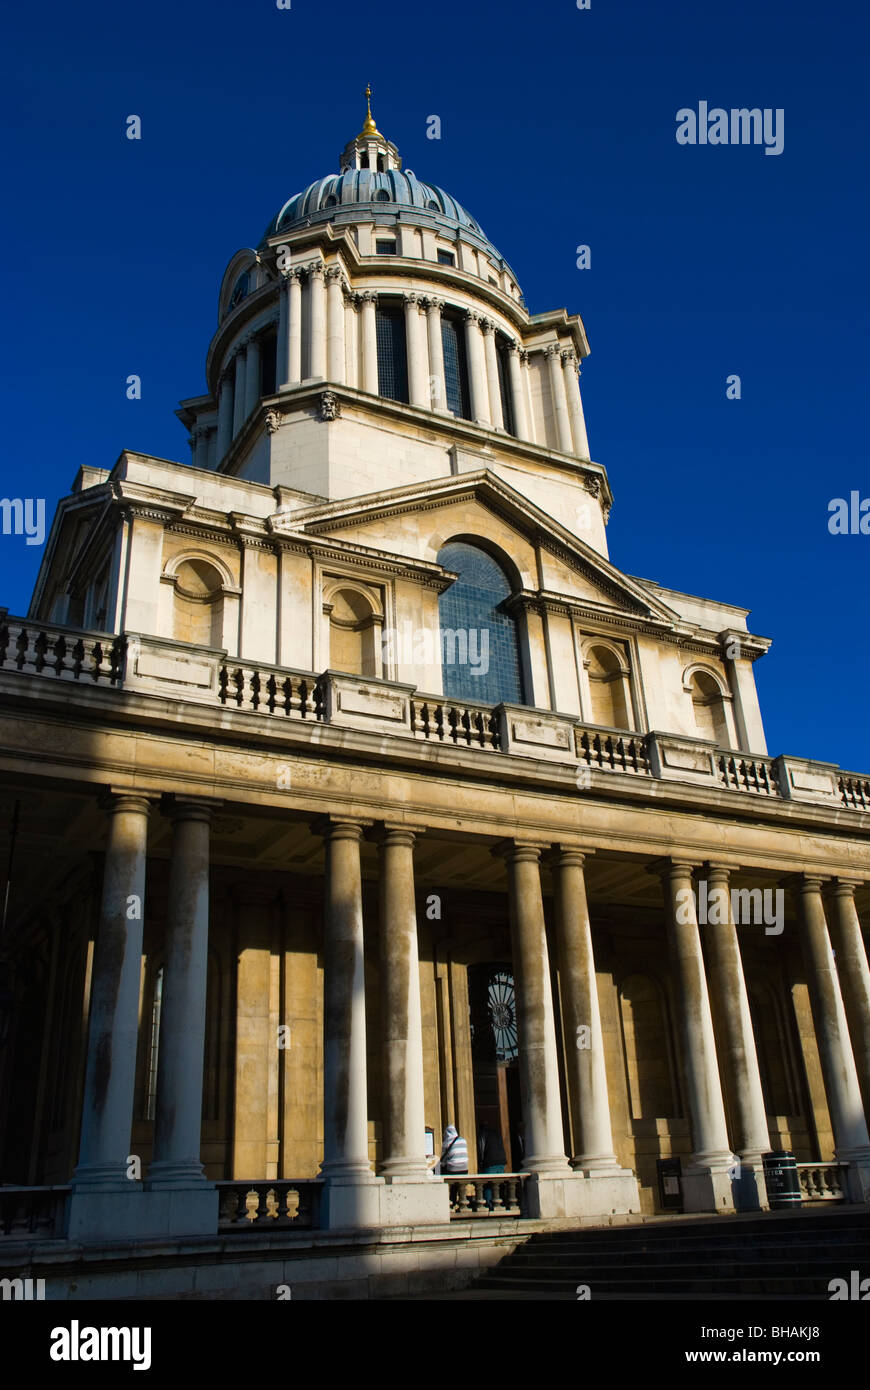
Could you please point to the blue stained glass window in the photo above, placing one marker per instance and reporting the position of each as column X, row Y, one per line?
column 392, row 359
column 455, row 368
column 480, row 655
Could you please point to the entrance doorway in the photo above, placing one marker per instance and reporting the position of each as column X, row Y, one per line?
column 494, row 1053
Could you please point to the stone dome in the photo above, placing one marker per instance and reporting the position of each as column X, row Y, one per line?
column 369, row 195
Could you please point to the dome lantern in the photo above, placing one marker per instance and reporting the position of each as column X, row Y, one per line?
column 370, row 149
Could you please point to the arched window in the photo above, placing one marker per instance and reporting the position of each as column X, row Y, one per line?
column 354, row 631
column 646, row 1047
column 480, row 656
column 709, row 708
column 455, row 367
column 382, row 196
column 608, row 688
column 331, row 201
column 392, row 358
column 240, row 290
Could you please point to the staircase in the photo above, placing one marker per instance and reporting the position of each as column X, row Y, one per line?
column 775, row 1256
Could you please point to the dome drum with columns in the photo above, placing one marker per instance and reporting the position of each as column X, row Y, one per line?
column 385, row 292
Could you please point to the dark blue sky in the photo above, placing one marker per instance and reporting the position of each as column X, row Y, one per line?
column 558, row 128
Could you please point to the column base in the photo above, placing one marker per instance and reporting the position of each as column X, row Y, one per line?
column 709, row 1185
column 102, row 1177
column 139, row 1215
column 171, row 1175
column 747, row 1183
column 409, row 1200
column 547, row 1195
column 351, row 1202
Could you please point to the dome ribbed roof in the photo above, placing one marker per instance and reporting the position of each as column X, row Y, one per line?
column 363, row 194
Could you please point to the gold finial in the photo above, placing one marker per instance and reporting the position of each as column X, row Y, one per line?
column 369, row 128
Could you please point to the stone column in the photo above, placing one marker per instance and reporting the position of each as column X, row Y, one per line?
column 418, row 385
column 107, row 1111
column 571, row 371
column 565, row 440
column 351, row 1196
column 225, row 417
column 853, row 973
column 518, row 392
column 476, row 369
column 317, row 322
column 584, row 1041
column 437, row 388
column 105, row 1203
column 335, row 325
column 291, row 328
column 252, row 376
column 495, row 410
column 176, row 1159
column 736, row 1041
column 539, row 1069
column 199, row 444
column 530, row 405
column 842, row 1090
column 239, row 389
column 707, row 1182
column 405, row 1116
column 368, row 302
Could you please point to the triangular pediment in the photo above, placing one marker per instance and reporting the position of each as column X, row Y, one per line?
column 413, row 523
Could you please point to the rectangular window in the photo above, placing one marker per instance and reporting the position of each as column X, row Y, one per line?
column 455, row 368
column 392, row 358
column 446, row 258
column 504, row 388
column 268, row 364
column 385, row 248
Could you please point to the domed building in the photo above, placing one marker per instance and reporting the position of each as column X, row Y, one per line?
column 355, row 794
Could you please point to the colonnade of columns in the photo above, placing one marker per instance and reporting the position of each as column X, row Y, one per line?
column 718, row 1047
column 323, row 356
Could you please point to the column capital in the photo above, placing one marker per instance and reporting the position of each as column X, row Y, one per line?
column 487, row 327
column 179, row 807
column 672, row 867
column 395, row 833
column 367, row 296
column 432, row 303
column 293, row 272
column 804, row 883
column 315, row 268
column 113, row 799
column 716, row 868
column 524, row 356
column 333, row 273
column 512, row 345
column 472, row 316
column 519, row 851
column 568, row 856
column 569, row 358
column 410, row 297
column 553, row 351
column 330, row 827
column 844, row 887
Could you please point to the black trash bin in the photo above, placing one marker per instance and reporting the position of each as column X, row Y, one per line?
column 781, row 1180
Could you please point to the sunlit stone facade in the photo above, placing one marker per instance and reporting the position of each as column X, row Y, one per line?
column 359, row 794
